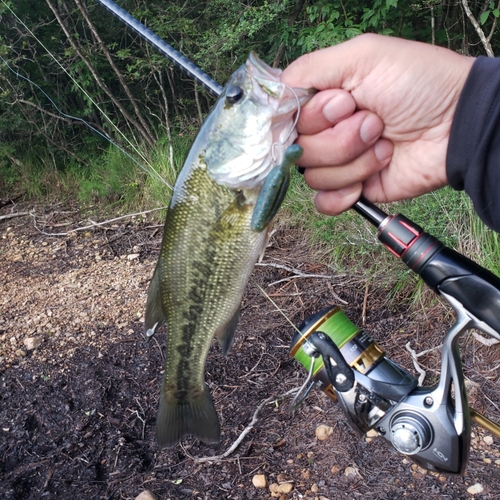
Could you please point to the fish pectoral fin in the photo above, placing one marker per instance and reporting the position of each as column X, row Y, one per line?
column 225, row 334
column 274, row 189
column 155, row 315
column 195, row 416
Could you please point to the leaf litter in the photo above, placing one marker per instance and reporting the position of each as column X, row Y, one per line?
column 77, row 412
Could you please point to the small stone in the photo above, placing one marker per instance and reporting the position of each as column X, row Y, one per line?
column 305, row 474
column 314, row 488
column 285, row 488
column 323, row 432
column 273, row 488
column 335, row 469
column 442, row 479
column 32, row 343
column 475, row 489
column 259, row 481
column 20, row 352
column 488, row 440
column 146, row 495
column 487, row 460
column 351, row 471
column 133, row 256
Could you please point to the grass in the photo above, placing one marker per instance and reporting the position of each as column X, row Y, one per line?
column 110, row 180
column 350, row 244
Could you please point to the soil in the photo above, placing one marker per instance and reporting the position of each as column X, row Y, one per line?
column 77, row 414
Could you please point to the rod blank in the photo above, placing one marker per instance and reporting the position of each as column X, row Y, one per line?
column 168, row 51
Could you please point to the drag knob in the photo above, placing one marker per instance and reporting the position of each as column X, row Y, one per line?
column 410, row 433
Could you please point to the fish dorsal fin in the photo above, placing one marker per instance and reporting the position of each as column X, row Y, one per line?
column 225, row 334
column 155, row 314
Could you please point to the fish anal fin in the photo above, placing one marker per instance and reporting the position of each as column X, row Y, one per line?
column 155, row 314
column 225, row 334
column 194, row 416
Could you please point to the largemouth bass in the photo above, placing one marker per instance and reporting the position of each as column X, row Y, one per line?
column 229, row 189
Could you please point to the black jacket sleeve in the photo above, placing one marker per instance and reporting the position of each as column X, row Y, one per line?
column 473, row 158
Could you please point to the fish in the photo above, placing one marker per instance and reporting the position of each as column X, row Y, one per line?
column 225, row 197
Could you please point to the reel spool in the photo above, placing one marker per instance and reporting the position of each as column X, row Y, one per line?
column 359, row 350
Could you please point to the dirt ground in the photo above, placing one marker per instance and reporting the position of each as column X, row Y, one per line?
column 77, row 414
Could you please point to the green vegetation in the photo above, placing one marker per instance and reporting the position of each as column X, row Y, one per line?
column 351, row 244
column 63, row 63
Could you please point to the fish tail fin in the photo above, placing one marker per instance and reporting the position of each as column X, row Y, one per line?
column 196, row 417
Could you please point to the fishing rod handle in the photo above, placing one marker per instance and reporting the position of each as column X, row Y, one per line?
column 443, row 269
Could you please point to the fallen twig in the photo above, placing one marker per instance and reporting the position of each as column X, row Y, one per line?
column 10, row 216
column 484, row 340
column 365, row 302
column 94, row 224
column 414, row 357
column 297, row 273
column 245, row 431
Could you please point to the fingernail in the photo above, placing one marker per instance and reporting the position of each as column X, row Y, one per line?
column 337, row 108
column 383, row 149
column 371, row 128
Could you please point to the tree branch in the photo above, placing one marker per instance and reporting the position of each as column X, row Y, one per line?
column 117, row 71
column 130, row 119
column 479, row 30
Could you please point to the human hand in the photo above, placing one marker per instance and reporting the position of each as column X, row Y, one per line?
column 381, row 122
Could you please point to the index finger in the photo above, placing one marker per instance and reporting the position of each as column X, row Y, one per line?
column 324, row 110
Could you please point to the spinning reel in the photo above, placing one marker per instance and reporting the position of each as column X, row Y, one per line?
column 431, row 425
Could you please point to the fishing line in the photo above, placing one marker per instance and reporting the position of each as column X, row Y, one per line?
column 300, row 393
column 76, row 118
column 297, row 116
column 302, row 336
column 151, row 170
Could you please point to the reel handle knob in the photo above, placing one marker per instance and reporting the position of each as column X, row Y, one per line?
column 339, row 372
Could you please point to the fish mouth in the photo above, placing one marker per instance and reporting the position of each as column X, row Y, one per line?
column 267, row 78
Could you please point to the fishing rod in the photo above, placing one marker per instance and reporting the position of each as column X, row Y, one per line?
column 167, row 50
column 429, row 424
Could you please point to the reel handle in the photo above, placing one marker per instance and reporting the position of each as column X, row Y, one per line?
column 339, row 372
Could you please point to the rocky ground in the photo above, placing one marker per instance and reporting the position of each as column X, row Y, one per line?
column 79, row 383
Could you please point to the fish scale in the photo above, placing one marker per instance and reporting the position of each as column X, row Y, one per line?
column 209, row 247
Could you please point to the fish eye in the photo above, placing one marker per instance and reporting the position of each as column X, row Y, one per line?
column 234, row 94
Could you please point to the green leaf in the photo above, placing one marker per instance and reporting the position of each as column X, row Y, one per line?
column 496, row 13
column 484, row 17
